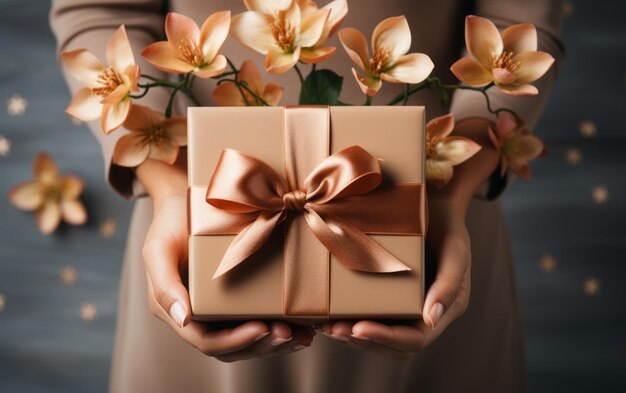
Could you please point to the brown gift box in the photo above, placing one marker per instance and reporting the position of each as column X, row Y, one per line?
column 255, row 289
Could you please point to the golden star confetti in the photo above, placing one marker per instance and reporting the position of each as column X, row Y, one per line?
column 568, row 8
column 547, row 263
column 68, row 275
column 3, row 301
column 588, row 129
column 88, row 312
column 573, row 156
column 108, row 228
column 5, row 146
column 16, row 105
column 600, row 194
column 591, row 286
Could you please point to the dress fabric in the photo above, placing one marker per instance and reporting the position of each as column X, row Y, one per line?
column 480, row 352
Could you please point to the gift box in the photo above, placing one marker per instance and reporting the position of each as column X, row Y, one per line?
column 306, row 213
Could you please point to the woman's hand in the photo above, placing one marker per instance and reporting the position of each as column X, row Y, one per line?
column 165, row 256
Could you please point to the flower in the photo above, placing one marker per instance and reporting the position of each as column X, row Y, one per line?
column 391, row 41
column 444, row 151
column 189, row 48
column 151, row 136
column 228, row 94
column 338, row 11
column 517, row 144
column 279, row 30
column 107, row 89
column 511, row 61
column 50, row 196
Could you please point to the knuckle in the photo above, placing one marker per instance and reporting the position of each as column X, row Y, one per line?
column 161, row 293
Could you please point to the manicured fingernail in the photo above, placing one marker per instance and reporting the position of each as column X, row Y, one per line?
column 178, row 314
column 277, row 341
column 435, row 314
column 340, row 337
column 298, row 347
column 260, row 336
column 360, row 337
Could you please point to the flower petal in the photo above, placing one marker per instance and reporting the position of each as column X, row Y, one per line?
column 45, row 169
column 181, row 29
column 471, row 72
column 338, row 11
column 355, row 44
column 394, row 35
column 411, row 68
column 177, row 129
column 528, row 146
column 83, row 66
column 438, row 173
column 521, row 90
column 520, row 38
column 166, row 152
column 505, row 124
column 166, row 58
column 368, row 85
column 250, row 74
column 70, row 186
column 130, row 151
column 48, row 217
column 141, row 118
column 482, row 39
column 312, row 28
column 532, row 66
column 273, row 93
column 271, row 7
column 456, row 149
column 73, row 212
column 519, row 167
column 314, row 56
column 213, row 34
column 281, row 62
column 114, row 114
column 119, row 52
column 440, row 127
column 130, row 76
column 253, row 29
column 503, row 76
column 227, row 94
column 27, row 195
column 85, row 105
column 217, row 67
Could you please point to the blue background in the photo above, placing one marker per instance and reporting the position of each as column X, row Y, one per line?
column 576, row 342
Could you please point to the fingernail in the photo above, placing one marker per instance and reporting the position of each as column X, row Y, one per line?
column 340, row 338
column 260, row 336
column 435, row 314
column 298, row 347
column 277, row 341
column 178, row 314
column 360, row 337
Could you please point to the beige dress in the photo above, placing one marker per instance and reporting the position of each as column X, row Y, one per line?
column 480, row 352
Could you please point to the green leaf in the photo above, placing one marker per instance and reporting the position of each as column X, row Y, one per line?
column 321, row 87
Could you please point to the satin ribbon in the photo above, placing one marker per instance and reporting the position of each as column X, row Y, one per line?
column 330, row 210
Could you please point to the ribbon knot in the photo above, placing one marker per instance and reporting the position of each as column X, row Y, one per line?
column 295, row 200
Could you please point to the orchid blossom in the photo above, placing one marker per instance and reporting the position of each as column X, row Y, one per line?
column 190, row 49
column 444, row 151
column 107, row 88
column 510, row 60
column 229, row 94
column 50, row 196
column 338, row 11
column 516, row 143
column 279, row 30
column 151, row 135
column 391, row 41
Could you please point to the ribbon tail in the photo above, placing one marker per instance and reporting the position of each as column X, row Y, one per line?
column 248, row 241
column 349, row 244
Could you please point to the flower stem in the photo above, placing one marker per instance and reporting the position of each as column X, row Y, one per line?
column 301, row 77
column 368, row 100
column 406, row 94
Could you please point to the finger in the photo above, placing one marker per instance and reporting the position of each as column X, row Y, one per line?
column 370, row 345
column 403, row 338
column 280, row 333
column 453, row 267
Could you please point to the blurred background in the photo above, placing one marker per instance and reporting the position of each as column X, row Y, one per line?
column 58, row 294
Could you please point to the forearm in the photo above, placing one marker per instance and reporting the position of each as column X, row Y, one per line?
column 469, row 175
column 162, row 180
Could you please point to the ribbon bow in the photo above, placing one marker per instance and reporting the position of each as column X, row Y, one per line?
column 245, row 185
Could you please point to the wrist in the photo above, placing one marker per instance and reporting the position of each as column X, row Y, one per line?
column 162, row 180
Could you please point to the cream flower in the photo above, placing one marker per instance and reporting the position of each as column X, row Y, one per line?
column 391, row 41
column 444, row 151
column 189, row 48
column 338, row 11
column 279, row 30
column 50, row 196
column 511, row 61
column 151, row 135
column 228, row 94
column 517, row 145
column 107, row 89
